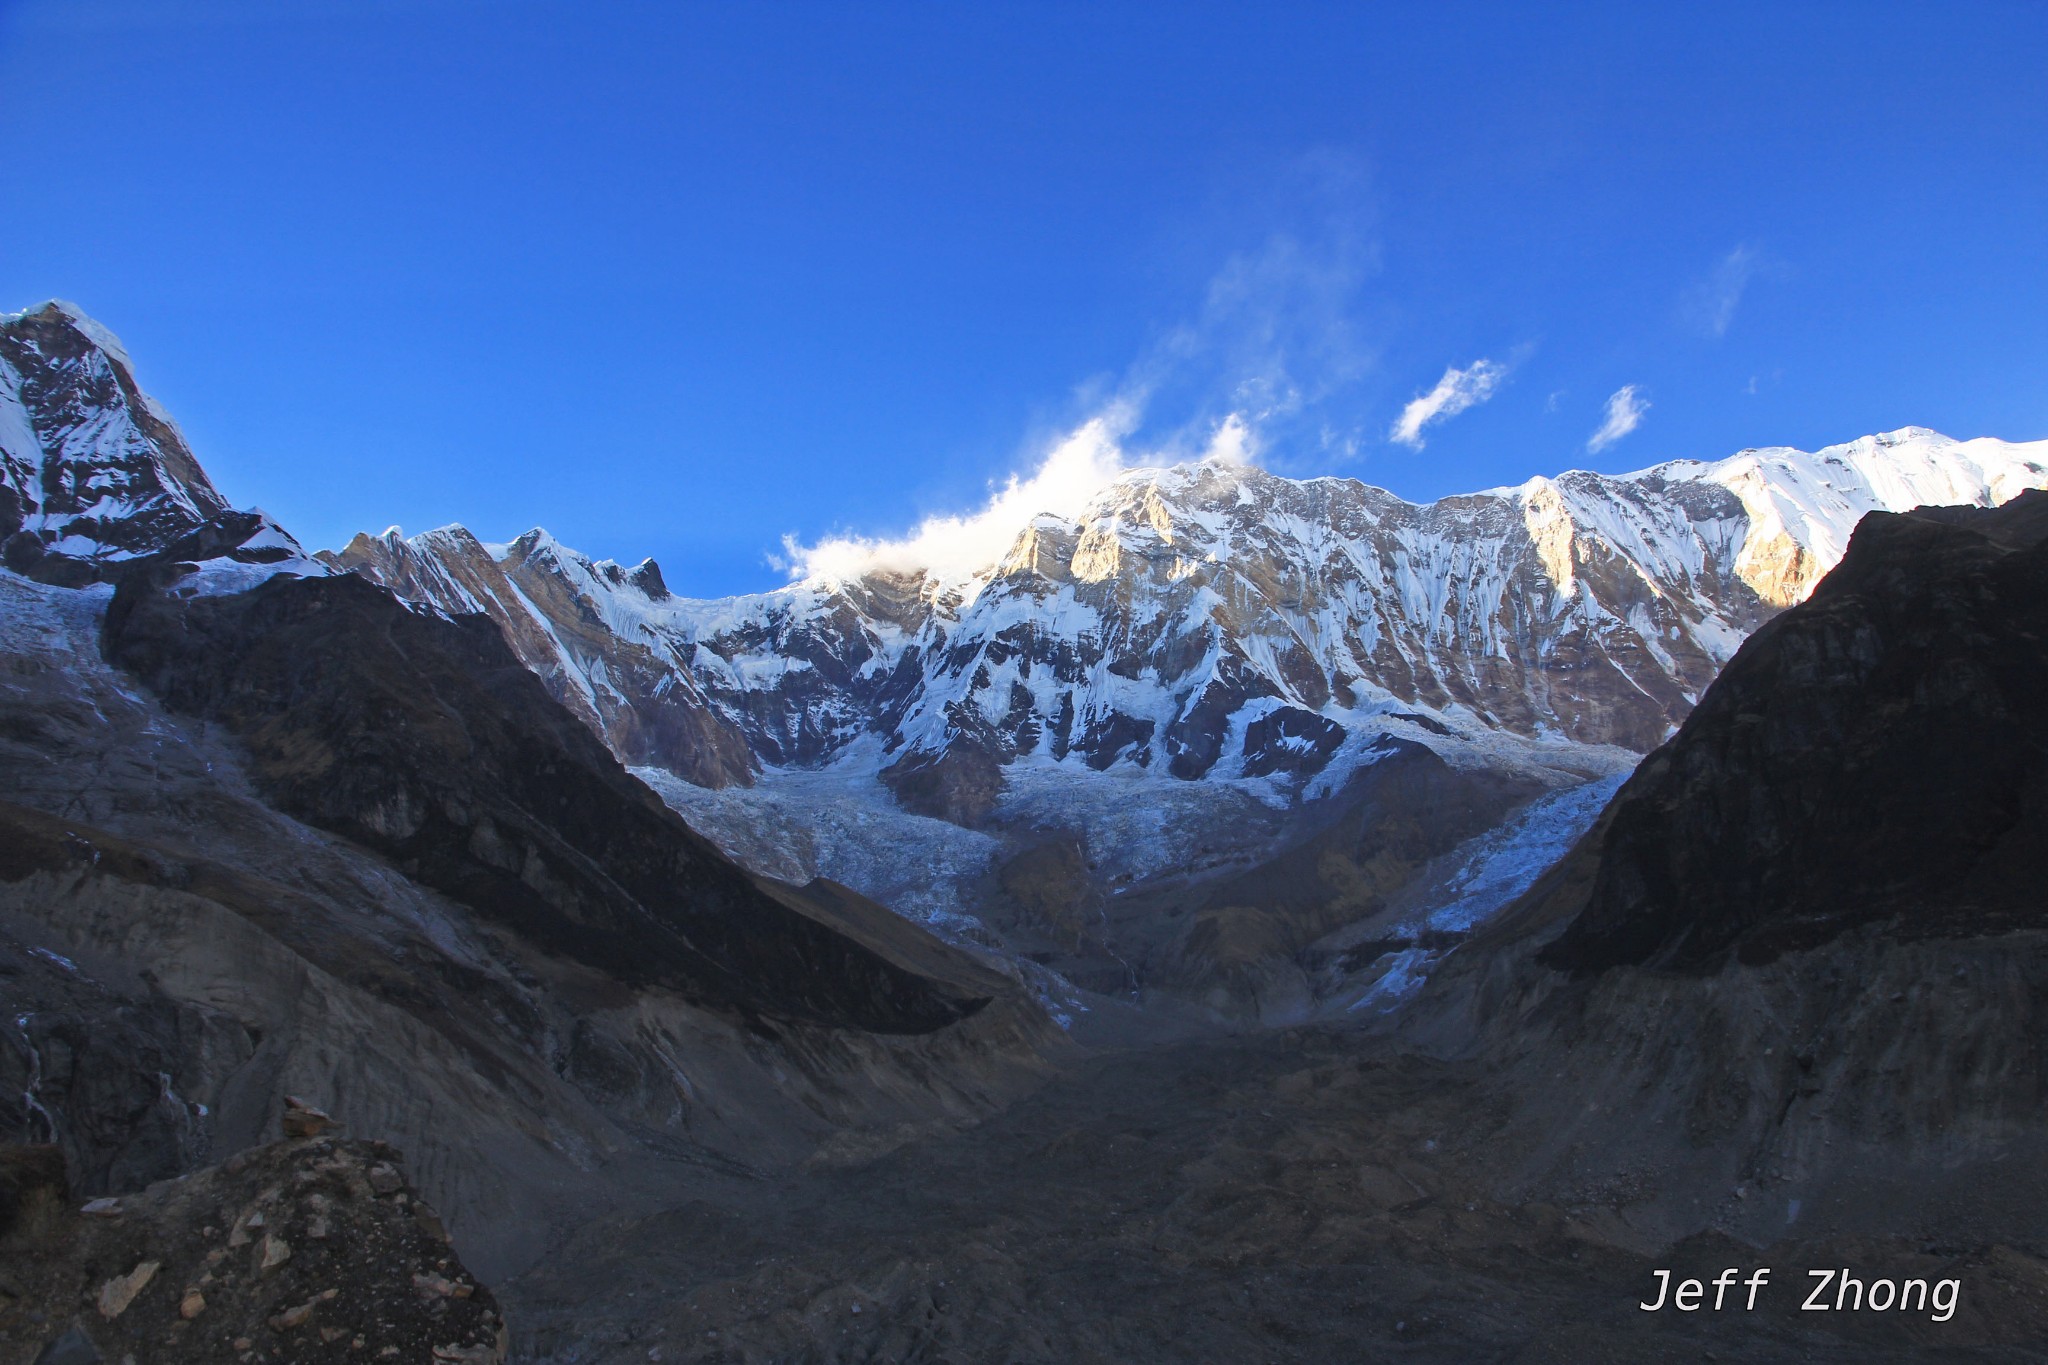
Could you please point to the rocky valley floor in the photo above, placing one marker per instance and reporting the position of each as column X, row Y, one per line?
column 1304, row 1195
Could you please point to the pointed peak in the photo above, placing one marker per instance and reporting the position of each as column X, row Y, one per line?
column 646, row 576
column 70, row 314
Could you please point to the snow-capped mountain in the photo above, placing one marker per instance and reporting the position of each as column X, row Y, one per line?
column 93, row 472
column 1213, row 619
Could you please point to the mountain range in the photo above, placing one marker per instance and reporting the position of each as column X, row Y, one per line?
column 1209, row 620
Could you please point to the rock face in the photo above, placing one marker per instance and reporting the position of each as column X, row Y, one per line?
column 178, row 956
column 93, row 473
column 297, row 1251
column 1215, row 620
column 90, row 467
column 1793, row 975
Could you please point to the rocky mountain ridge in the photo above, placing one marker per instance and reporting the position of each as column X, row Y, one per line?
column 1215, row 620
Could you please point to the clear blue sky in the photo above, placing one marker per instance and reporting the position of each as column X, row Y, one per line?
column 680, row 279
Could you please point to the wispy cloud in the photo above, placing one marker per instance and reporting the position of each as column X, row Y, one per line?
column 1278, row 333
column 1276, row 337
column 1455, row 392
column 1625, row 409
column 1709, row 306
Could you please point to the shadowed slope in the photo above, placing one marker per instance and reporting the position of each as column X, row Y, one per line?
column 1877, row 754
column 426, row 740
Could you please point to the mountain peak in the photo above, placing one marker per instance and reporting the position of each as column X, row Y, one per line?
column 90, row 466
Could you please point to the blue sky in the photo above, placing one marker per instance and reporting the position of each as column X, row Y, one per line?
column 682, row 280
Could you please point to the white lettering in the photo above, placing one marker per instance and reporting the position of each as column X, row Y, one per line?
column 1825, row 1277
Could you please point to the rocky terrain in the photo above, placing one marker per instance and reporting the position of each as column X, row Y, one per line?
column 1795, row 969
column 268, row 831
column 1309, row 1195
column 308, row 1249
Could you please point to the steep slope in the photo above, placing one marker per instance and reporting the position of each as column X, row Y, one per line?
column 427, row 741
column 94, row 474
column 1793, row 977
column 1265, row 643
column 1880, row 757
column 178, row 954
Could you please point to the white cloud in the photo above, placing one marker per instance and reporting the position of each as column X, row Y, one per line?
column 1710, row 305
column 1625, row 409
column 1455, row 392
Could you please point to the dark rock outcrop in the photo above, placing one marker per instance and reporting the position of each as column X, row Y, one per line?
column 643, row 702
column 1791, row 982
column 1878, row 755
column 961, row 785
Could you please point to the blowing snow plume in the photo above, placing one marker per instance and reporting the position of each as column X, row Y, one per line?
column 953, row 549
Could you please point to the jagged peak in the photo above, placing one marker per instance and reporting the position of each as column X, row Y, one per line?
column 97, row 333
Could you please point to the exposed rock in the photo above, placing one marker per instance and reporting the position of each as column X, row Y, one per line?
column 116, row 1294
column 643, row 702
column 32, row 1186
column 272, row 1252
column 302, row 1120
column 1233, row 939
column 425, row 739
column 179, row 956
column 358, row 1288
column 1878, row 756
column 110, row 475
column 961, row 785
